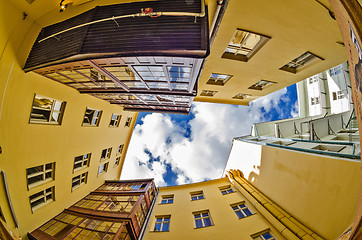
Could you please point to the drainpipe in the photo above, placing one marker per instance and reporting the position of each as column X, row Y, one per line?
column 142, row 14
column 143, row 230
column 216, row 15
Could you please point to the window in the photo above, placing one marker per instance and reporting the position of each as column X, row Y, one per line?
column 96, row 75
column 241, row 210
column 120, row 149
column 313, row 79
column 284, row 143
column 79, row 180
column 41, row 198
column 329, row 148
column 102, row 168
column 261, row 85
column 335, row 71
column 202, row 219
column 218, row 79
column 314, row 100
column 300, row 62
column 117, row 161
column 207, row 93
column 197, row 196
column 244, row 45
column 128, row 122
column 338, row 95
column 114, row 120
column 162, row 224
column 91, row 117
column 226, row 190
column 40, row 174
column 167, row 199
column 106, row 153
column 264, row 236
column 46, row 110
column 81, row 161
column 241, row 96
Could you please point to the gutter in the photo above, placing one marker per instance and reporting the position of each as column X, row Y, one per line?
column 142, row 14
column 143, row 230
column 9, row 199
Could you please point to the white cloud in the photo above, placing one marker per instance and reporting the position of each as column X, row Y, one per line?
column 201, row 156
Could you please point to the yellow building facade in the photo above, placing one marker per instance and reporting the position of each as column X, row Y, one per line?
column 255, row 40
column 225, row 208
column 56, row 145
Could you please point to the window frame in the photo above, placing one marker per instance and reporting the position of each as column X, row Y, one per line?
column 85, row 158
column 242, row 207
column 117, row 161
column 241, row 96
column 128, row 122
column 225, row 190
column 51, row 111
column 218, row 81
column 104, row 170
column 259, row 235
column 108, row 152
column 207, row 93
column 115, row 122
column 261, row 85
column 165, row 220
column 245, row 57
column 83, row 178
column 199, row 195
column 43, row 196
column 120, row 149
column 202, row 219
column 312, row 58
column 42, row 173
column 167, row 199
column 97, row 118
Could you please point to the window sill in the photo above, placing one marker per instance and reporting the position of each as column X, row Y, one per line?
column 34, row 185
column 204, row 227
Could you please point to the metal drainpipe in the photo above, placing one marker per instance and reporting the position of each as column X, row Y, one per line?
column 143, row 230
column 152, row 14
column 9, row 200
column 216, row 15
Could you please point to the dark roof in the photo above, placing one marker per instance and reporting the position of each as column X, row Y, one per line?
column 177, row 36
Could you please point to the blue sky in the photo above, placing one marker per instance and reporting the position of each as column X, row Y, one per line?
column 177, row 149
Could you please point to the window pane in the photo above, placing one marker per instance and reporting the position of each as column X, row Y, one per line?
column 198, row 223
column 165, row 227
column 207, row 222
column 239, row 214
column 247, row 212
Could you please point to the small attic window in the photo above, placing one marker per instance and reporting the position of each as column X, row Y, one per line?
column 300, row 62
column 244, row 45
column 261, row 85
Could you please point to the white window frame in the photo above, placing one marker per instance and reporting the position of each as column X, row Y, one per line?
column 218, row 79
column 42, row 173
column 163, row 221
column 226, row 190
column 203, row 218
column 95, row 117
column 198, row 195
column 167, row 199
column 259, row 236
column 54, row 110
column 241, row 207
